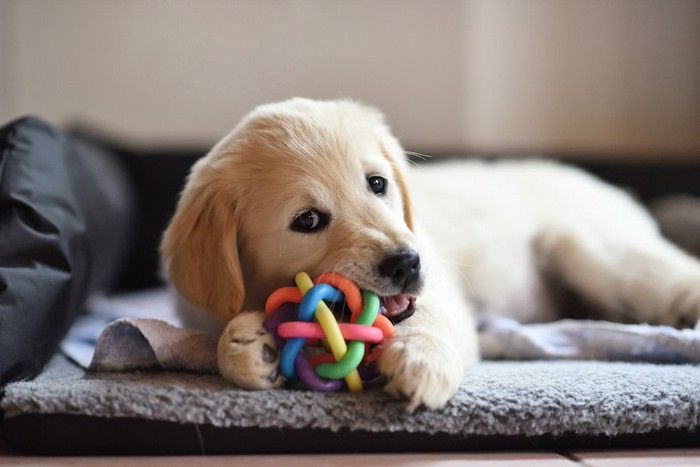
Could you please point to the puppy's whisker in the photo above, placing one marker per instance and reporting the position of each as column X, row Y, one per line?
column 339, row 314
column 419, row 155
column 342, row 313
column 410, row 155
column 469, row 284
column 462, row 274
column 457, row 263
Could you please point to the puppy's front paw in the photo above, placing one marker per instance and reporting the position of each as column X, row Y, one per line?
column 247, row 355
column 422, row 369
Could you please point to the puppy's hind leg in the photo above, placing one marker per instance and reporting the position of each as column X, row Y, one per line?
column 637, row 277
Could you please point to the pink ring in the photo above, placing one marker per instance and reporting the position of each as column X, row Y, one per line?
column 350, row 332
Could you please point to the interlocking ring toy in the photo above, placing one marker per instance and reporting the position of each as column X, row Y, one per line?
column 298, row 316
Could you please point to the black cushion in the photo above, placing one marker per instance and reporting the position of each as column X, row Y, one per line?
column 65, row 216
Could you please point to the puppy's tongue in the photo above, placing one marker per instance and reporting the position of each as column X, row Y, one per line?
column 395, row 305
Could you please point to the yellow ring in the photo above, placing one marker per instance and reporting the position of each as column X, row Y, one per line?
column 330, row 326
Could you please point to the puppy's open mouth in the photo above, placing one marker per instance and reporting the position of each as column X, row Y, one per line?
column 398, row 307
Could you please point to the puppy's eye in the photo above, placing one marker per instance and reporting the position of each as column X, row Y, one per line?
column 309, row 221
column 377, row 184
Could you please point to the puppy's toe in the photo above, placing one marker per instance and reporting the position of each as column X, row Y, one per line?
column 247, row 355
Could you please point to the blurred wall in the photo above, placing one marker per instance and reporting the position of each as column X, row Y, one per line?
column 597, row 76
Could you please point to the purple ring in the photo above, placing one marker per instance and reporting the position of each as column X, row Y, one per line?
column 305, row 371
column 309, row 377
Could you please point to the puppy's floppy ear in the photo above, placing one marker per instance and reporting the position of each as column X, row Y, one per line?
column 199, row 246
column 394, row 153
column 397, row 169
column 403, row 188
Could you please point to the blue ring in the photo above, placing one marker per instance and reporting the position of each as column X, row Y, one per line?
column 307, row 308
column 289, row 352
column 318, row 292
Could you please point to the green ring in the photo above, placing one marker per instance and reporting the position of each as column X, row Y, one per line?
column 356, row 349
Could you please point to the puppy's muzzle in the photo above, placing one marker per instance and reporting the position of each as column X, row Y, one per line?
column 402, row 268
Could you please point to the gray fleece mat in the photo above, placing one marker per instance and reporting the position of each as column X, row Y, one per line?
column 496, row 398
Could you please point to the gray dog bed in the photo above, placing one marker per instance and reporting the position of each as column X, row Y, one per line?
column 162, row 394
column 499, row 405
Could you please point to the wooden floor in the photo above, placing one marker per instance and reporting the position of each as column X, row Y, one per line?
column 667, row 457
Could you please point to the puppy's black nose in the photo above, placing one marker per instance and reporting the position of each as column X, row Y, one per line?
column 402, row 268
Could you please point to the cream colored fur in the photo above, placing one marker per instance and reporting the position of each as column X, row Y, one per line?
column 491, row 236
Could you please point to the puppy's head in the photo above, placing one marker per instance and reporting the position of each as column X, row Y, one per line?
column 299, row 185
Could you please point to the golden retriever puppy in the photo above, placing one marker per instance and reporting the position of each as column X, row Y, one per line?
column 314, row 186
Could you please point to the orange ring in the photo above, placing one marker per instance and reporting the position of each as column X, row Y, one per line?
column 372, row 356
column 352, row 293
column 281, row 296
column 383, row 323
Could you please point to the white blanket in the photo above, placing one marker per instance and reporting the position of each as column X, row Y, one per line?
column 140, row 330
